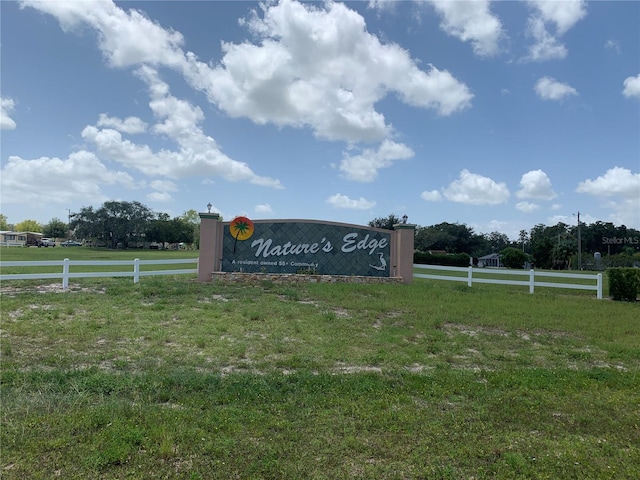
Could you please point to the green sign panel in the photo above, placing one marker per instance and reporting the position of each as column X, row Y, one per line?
column 306, row 247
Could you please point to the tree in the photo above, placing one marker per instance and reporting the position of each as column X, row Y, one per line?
column 127, row 221
column 595, row 235
column 498, row 241
column 56, row 228
column 165, row 230
column 523, row 238
column 544, row 243
column 385, row 222
column 513, row 257
column 86, row 224
column 4, row 225
column 433, row 238
column 192, row 218
column 451, row 237
column 28, row 226
column 114, row 223
column 565, row 247
column 181, row 231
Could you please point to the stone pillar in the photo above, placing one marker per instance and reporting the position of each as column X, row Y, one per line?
column 404, row 245
column 210, row 257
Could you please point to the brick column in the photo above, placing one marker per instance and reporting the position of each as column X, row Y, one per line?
column 209, row 259
column 404, row 245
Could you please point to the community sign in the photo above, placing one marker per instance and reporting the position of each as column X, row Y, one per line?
column 305, row 246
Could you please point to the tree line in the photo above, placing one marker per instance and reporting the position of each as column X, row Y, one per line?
column 549, row 247
column 118, row 225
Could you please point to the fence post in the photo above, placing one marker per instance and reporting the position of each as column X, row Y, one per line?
column 532, row 279
column 65, row 274
column 136, row 270
column 599, row 283
column 470, row 276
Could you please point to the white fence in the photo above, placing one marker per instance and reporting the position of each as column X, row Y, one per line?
column 66, row 265
column 594, row 281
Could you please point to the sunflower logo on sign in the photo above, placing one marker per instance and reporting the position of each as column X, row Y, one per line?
column 241, row 228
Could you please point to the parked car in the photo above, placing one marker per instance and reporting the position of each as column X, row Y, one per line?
column 70, row 243
column 46, row 242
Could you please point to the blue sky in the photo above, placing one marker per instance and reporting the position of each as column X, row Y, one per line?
column 498, row 115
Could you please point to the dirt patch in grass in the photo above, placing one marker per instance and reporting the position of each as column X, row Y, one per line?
column 343, row 368
column 473, row 331
column 11, row 290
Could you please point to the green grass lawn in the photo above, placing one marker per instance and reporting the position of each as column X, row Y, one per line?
column 171, row 378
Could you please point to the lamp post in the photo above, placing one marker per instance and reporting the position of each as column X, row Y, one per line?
column 209, row 207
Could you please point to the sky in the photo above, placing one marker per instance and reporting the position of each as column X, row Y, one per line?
column 498, row 115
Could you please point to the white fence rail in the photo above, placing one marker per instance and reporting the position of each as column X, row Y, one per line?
column 594, row 280
column 66, row 265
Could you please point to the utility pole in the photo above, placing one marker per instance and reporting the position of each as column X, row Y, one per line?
column 69, row 221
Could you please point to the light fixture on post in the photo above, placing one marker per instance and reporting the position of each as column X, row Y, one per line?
column 405, row 218
column 209, row 207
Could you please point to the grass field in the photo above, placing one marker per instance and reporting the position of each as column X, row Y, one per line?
column 170, row 378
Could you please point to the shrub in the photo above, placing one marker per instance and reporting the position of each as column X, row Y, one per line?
column 513, row 257
column 624, row 283
column 453, row 260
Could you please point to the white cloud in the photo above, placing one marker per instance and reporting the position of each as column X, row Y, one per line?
column 616, row 181
column 431, row 196
column 547, row 46
column 555, row 219
column 471, row 22
column 623, row 187
column 572, row 219
column 632, row 87
column 364, row 167
column 562, row 15
column 626, row 212
column 129, row 125
column 312, row 66
column 264, row 208
column 76, row 178
column 6, row 107
column 496, row 226
column 164, row 185
column 526, row 207
column 161, row 197
column 384, row 5
column 471, row 189
column 110, row 144
column 319, row 67
column 536, row 184
column 612, row 45
column 549, row 88
column 126, row 38
column 474, row 189
column 197, row 154
column 342, row 201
